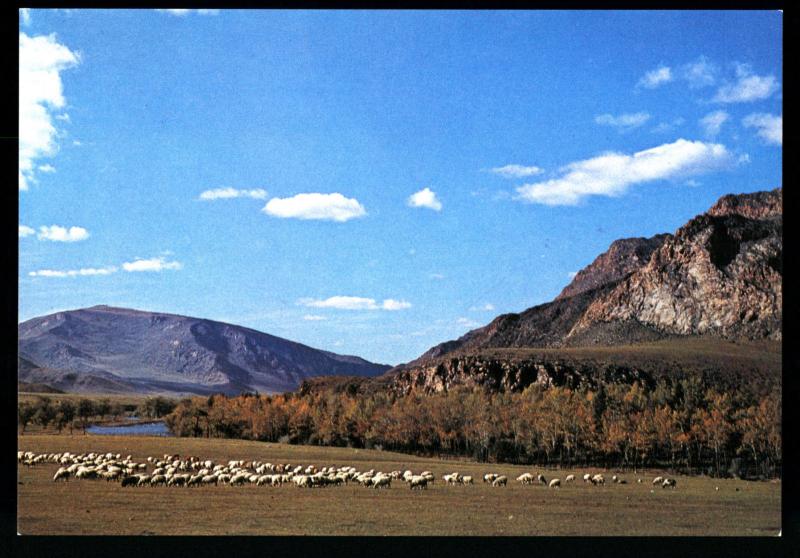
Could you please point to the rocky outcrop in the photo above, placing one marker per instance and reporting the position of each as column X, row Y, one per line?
column 721, row 274
column 622, row 258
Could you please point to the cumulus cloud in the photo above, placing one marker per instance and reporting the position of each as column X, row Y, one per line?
column 466, row 322
column 62, row 234
column 623, row 122
column 700, row 73
column 73, row 272
column 183, row 13
column 41, row 61
column 713, row 121
column 611, row 174
column 328, row 207
column 314, row 318
column 748, row 87
column 47, row 168
column 25, row 231
column 768, row 126
column 226, row 193
column 655, row 78
column 425, row 198
column 488, row 307
column 517, row 171
column 355, row 303
column 152, row 264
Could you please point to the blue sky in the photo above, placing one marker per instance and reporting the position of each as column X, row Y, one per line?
column 373, row 183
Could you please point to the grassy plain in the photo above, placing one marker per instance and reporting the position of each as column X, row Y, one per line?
column 97, row 507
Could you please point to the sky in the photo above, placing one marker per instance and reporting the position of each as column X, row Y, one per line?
column 367, row 182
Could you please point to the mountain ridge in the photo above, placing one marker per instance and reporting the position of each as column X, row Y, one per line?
column 124, row 349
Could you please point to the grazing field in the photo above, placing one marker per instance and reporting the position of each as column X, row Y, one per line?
column 695, row 507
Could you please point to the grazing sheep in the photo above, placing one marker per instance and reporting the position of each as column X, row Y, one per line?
column 129, row 481
column 614, row 478
column 382, row 482
column 143, row 480
column 489, row 477
column 587, row 477
column 541, row 479
column 658, row 480
column 62, row 473
column 569, row 478
column 598, row 479
column 668, row 482
column 555, row 483
column 155, row 480
column 524, row 478
column 500, row 481
column 418, row 482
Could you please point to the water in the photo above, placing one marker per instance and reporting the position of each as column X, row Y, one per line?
column 148, row 429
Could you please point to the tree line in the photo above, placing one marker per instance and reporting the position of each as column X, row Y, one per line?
column 684, row 424
column 64, row 413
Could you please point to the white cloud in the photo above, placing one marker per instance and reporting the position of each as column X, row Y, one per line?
column 623, row 122
column 517, row 171
column 76, row 142
column 41, row 59
column 152, row 264
column 768, row 126
column 182, row 12
column 355, row 303
column 225, row 193
column 693, row 183
column 425, row 198
column 62, row 234
column 73, row 272
column 314, row 318
column 47, row 168
column 700, row 73
column 654, row 78
column 25, row 14
column 391, row 304
column 25, row 231
column 747, row 88
column 572, row 274
column 63, row 117
column 329, row 207
column 488, row 307
column 611, row 174
column 437, row 276
column 713, row 121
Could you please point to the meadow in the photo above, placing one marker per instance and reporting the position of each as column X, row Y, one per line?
column 698, row 506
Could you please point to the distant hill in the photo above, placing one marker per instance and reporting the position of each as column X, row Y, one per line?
column 719, row 278
column 104, row 349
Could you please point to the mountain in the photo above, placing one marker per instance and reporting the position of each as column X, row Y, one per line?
column 717, row 280
column 118, row 350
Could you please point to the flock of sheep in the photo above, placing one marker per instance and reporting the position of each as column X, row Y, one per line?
column 172, row 470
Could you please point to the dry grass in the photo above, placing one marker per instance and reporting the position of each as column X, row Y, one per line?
column 98, row 507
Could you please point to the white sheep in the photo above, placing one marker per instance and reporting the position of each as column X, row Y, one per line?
column 668, row 482
column 467, row 479
column 569, row 478
column 658, row 480
column 62, row 473
column 500, row 481
column 587, row 477
column 418, row 482
column 555, row 483
column 598, row 479
column 541, row 479
column 524, row 478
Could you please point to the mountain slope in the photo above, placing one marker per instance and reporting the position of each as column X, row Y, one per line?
column 116, row 349
column 719, row 275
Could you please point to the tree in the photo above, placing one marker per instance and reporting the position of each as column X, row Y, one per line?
column 65, row 414
column 45, row 412
column 85, row 411
column 25, row 412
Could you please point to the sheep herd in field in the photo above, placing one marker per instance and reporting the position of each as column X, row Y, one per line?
column 192, row 471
